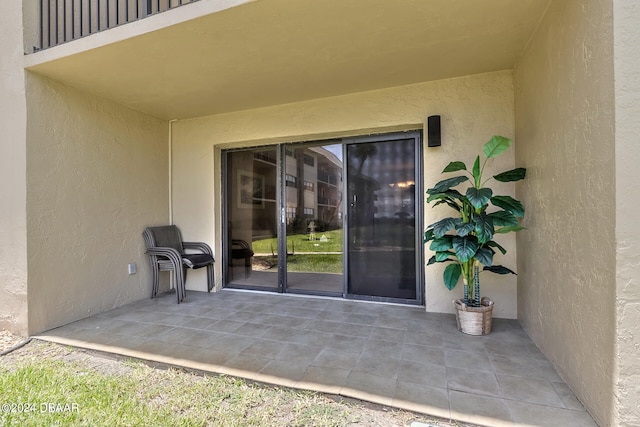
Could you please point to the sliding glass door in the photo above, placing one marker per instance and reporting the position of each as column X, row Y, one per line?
column 314, row 218
column 291, row 210
column 251, row 206
column 381, row 238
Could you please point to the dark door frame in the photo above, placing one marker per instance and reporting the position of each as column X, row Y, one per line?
column 280, row 202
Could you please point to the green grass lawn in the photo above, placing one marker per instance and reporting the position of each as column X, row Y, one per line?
column 315, row 263
column 143, row 396
column 299, row 246
column 46, row 384
column 301, row 243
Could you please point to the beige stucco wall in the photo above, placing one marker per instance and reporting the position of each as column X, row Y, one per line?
column 626, row 18
column 567, row 260
column 97, row 175
column 13, row 187
column 31, row 24
column 472, row 108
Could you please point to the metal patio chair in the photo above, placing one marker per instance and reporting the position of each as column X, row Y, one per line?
column 166, row 252
column 240, row 249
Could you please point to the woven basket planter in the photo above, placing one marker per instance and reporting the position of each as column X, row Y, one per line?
column 474, row 320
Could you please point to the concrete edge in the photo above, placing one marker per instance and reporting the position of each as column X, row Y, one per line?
column 254, row 376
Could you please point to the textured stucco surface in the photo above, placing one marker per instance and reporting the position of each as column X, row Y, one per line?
column 472, row 108
column 97, row 175
column 626, row 18
column 567, row 260
column 13, row 186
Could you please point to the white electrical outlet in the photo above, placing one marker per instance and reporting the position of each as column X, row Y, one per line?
column 132, row 268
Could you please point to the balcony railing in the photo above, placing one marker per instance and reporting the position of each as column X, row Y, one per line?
column 327, row 178
column 326, row 201
column 62, row 21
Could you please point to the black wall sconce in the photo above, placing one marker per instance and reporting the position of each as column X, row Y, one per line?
column 433, row 131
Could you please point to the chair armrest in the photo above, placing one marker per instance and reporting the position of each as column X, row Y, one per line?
column 201, row 246
column 243, row 244
column 173, row 255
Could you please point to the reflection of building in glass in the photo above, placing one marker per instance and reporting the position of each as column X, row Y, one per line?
column 382, row 181
column 314, row 187
column 313, row 180
column 394, row 195
column 313, row 183
column 394, row 189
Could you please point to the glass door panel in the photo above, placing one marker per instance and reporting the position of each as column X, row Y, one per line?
column 286, row 229
column 314, row 210
column 381, row 236
column 252, row 228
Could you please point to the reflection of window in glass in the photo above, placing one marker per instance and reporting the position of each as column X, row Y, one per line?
column 308, row 185
column 291, row 181
column 308, row 212
column 291, row 214
column 267, row 156
column 323, row 175
column 309, row 160
column 290, row 152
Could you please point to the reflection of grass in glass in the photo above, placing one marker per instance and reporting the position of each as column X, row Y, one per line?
column 301, row 243
column 311, row 263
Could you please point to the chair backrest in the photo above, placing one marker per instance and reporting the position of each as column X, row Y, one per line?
column 165, row 236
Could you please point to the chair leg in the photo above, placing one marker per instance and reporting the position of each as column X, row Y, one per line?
column 155, row 280
column 247, row 267
column 210, row 278
column 179, row 279
column 184, row 283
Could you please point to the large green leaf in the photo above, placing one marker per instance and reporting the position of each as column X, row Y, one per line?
column 512, row 175
column 465, row 228
column 503, row 230
column 479, row 197
column 428, row 235
column 444, row 225
column 441, row 244
column 484, row 227
column 452, row 275
column 494, row 244
column 485, row 256
column 449, row 203
column 496, row 146
column 503, row 218
column 455, row 166
column 446, row 184
column 444, row 256
column 476, row 172
column 509, row 204
column 499, row 269
column 465, row 247
column 449, row 195
column 434, row 259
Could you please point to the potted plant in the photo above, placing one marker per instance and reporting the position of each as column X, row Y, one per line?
column 465, row 240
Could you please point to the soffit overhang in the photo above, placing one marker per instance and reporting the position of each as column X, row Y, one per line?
column 215, row 56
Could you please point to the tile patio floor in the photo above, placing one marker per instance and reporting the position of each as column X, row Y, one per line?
column 392, row 355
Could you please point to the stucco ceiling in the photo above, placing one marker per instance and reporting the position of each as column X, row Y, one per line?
column 268, row 52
